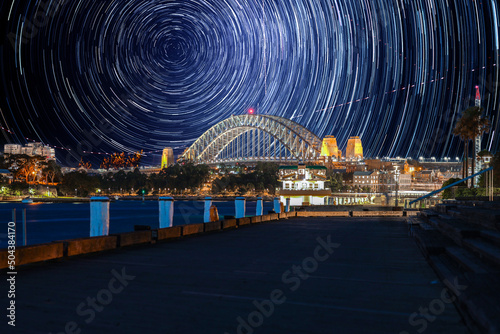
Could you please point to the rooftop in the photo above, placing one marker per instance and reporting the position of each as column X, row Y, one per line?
column 308, row 167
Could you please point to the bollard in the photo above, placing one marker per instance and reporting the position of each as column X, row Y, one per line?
column 214, row 214
column 99, row 216
column 206, row 213
column 166, row 212
column 260, row 207
column 240, row 207
column 287, row 209
column 277, row 205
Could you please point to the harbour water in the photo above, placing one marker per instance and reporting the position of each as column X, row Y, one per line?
column 47, row 222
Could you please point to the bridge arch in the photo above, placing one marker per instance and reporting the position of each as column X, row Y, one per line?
column 254, row 137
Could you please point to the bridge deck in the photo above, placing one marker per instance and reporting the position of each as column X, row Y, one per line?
column 371, row 283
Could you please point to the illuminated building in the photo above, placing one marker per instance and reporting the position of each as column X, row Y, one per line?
column 167, row 158
column 366, row 180
column 12, row 149
column 31, row 149
column 304, row 185
column 330, row 149
column 354, row 149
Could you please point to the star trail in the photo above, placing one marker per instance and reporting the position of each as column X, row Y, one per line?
column 118, row 75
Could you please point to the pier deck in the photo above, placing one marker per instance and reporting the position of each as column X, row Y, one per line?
column 375, row 278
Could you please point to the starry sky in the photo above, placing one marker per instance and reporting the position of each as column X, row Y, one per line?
column 124, row 75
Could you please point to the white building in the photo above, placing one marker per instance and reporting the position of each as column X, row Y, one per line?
column 31, row 149
column 12, row 149
column 304, row 185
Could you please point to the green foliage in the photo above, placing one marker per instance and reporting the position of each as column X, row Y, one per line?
column 467, row 192
column 335, row 181
column 366, row 189
column 448, row 193
column 264, row 176
column 84, row 183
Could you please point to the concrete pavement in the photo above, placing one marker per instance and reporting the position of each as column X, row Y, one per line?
column 301, row 275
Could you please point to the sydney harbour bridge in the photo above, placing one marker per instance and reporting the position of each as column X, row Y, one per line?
column 253, row 138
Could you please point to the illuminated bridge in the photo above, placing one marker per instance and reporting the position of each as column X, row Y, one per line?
column 253, row 138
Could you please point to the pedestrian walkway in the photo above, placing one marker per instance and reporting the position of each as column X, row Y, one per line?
column 301, row 275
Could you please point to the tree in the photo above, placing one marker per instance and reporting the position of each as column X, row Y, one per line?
column 335, row 181
column 85, row 184
column 471, row 125
column 85, row 165
column 52, row 171
column 448, row 193
column 30, row 168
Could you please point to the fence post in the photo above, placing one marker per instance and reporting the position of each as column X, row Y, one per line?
column 260, row 207
column 166, row 212
column 277, row 206
column 240, row 207
column 206, row 213
column 99, row 216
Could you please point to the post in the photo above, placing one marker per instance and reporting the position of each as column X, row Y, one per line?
column 99, row 216
column 277, row 206
column 206, row 214
column 492, row 187
column 260, row 207
column 24, row 227
column 240, row 207
column 166, row 212
column 287, row 209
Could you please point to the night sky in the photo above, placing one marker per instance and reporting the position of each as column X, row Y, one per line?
column 396, row 73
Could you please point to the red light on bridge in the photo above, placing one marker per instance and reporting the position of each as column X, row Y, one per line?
column 251, row 111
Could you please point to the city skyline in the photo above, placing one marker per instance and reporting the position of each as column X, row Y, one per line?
column 145, row 76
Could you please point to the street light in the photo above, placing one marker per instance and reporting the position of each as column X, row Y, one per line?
column 397, row 185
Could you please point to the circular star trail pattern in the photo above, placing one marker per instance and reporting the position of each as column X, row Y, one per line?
column 396, row 73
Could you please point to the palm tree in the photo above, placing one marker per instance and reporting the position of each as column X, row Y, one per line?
column 469, row 126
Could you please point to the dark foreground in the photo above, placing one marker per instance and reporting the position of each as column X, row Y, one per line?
column 244, row 281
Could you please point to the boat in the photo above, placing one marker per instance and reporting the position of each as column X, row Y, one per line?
column 27, row 200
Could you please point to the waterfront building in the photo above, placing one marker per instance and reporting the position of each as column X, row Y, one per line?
column 354, row 149
column 368, row 179
column 304, row 185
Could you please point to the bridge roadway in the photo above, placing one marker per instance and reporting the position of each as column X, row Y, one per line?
column 373, row 280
